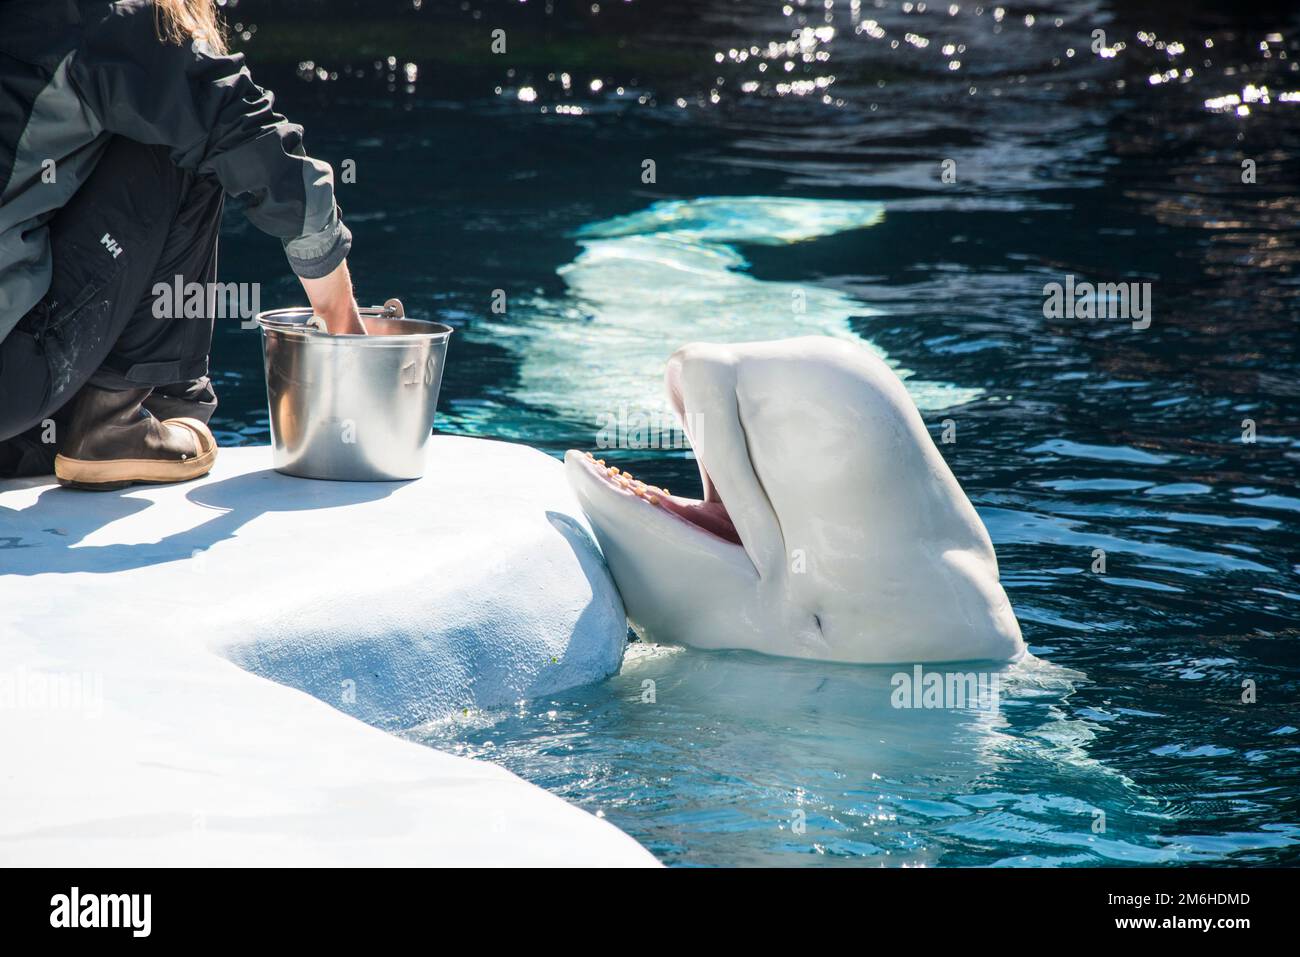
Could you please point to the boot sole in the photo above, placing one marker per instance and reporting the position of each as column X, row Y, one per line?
column 106, row 475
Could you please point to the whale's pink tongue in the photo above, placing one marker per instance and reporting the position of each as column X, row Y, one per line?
column 710, row 516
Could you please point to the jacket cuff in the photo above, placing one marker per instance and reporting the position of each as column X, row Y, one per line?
column 319, row 254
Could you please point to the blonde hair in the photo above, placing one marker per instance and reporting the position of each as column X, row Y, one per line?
column 182, row 20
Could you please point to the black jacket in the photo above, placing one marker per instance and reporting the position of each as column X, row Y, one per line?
column 74, row 73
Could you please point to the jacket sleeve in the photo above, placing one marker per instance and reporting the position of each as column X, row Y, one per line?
column 206, row 108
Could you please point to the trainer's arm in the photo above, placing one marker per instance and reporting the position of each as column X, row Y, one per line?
column 332, row 299
column 206, row 108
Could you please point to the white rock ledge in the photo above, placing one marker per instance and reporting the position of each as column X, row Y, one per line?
column 139, row 627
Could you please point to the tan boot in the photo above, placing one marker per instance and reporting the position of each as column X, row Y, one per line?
column 111, row 442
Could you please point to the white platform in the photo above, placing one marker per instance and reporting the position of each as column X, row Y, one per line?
column 144, row 611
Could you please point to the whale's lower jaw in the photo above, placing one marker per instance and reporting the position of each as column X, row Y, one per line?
column 907, row 577
column 696, row 594
column 678, row 562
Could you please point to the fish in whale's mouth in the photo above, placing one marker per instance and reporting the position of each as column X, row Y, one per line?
column 708, row 514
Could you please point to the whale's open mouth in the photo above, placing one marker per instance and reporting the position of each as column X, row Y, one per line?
column 709, row 515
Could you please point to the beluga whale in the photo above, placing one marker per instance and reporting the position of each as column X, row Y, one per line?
column 830, row 528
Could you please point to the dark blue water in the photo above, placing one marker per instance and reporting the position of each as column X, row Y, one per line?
column 479, row 172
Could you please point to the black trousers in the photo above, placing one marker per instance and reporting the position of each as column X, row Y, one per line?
column 137, row 221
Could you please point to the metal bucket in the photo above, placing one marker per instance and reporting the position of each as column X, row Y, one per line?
column 352, row 407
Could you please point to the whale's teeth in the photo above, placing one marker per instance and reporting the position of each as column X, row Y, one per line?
column 600, row 461
column 611, row 471
column 589, row 455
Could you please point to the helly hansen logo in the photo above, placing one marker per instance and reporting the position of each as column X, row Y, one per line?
column 109, row 243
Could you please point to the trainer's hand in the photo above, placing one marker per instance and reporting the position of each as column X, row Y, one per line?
column 331, row 298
